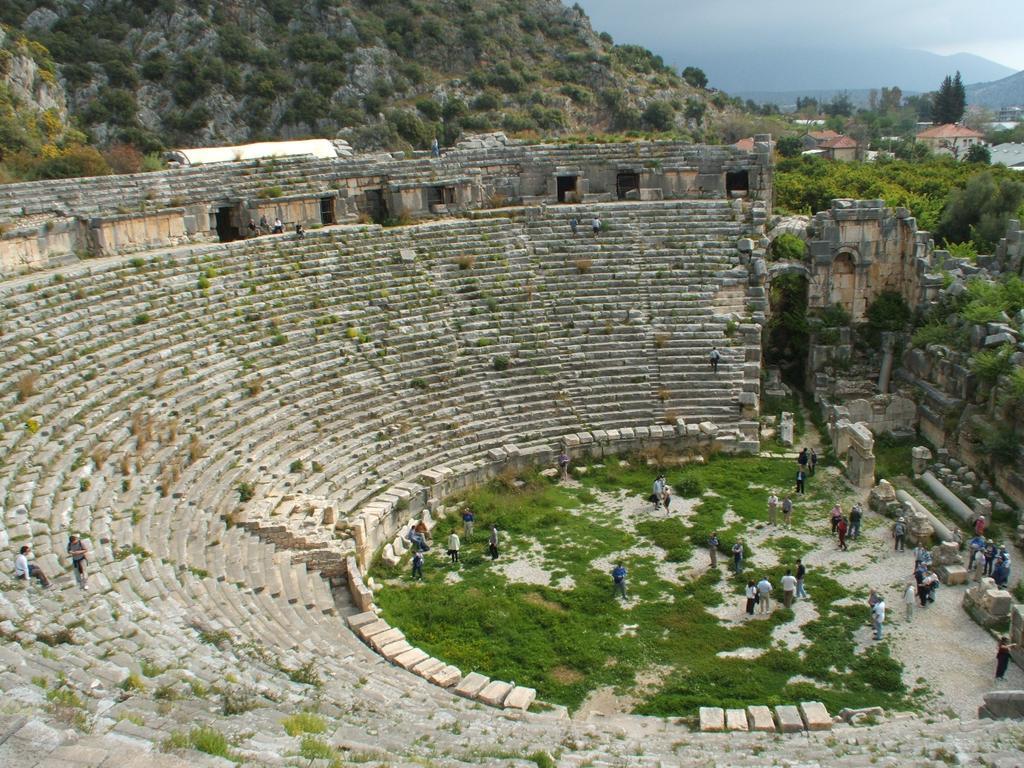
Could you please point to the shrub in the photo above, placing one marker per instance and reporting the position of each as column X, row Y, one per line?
column 245, row 491
column 988, row 365
column 688, row 487
column 583, row 265
column 307, row 674
column 419, row 383
column 26, row 385
column 788, row 247
column 140, row 319
column 270, row 192
column 296, row 466
column 209, row 741
column 661, row 339
column 933, row 333
column 500, row 362
column 312, row 748
column 889, row 312
column 303, row 722
column 465, row 260
column 237, row 701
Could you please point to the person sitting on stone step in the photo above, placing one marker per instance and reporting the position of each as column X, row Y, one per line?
column 23, row 569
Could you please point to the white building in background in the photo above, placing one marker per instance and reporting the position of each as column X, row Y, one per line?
column 322, row 148
column 1010, row 155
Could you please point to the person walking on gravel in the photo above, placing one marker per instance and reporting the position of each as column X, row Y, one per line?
column 764, row 595
column 737, row 557
column 812, row 461
column 788, row 589
column 787, row 511
column 899, row 532
column 878, row 617
column 837, row 515
column 856, row 515
column 801, row 477
column 841, row 529
column 773, row 505
column 563, row 465
column 909, row 598
column 751, row 596
column 1003, row 657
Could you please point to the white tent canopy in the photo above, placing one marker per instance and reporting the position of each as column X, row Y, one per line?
column 322, row 148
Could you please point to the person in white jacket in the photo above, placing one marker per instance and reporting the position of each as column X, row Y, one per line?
column 23, row 569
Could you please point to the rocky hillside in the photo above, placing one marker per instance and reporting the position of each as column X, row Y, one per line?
column 1008, row 92
column 382, row 73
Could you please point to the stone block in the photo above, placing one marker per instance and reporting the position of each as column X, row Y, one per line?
column 394, row 649
column 1002, row 704
column 427, row 667
column 787, row 717
column 471, row 685
column 520, row 697
column 712, row 719
column 815, row 716
column 493, row 694
column 367, row 631
column 446, row 677
column 381, row 639
column 736, row 720
column 410, row 658
column 951, row 575
column 357, row 620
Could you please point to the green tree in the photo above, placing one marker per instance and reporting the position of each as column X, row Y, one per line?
column 695, row 76
column 659, row 116
column 979, row 153
column 695, row 109
column 979, row 212
column 789, row 146
column 950, row 101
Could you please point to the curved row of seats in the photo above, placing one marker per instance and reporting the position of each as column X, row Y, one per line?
column 140, row 393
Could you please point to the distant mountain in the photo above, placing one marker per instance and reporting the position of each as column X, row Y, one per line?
column 806, row 69
column 1008, row 92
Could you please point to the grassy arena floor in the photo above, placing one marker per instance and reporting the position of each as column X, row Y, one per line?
column 661, row 648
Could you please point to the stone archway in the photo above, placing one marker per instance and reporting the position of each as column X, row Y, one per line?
column 843, row 280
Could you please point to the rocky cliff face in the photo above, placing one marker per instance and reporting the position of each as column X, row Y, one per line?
column 33, row 105
column 378, row 72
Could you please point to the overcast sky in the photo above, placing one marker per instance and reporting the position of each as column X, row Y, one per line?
column 993, row 29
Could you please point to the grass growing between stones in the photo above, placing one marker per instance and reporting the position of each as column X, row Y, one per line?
column 566, row 634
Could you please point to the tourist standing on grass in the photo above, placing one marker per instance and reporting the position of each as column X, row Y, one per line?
column 467, row 523
column 76, row 548
column 453, row 546
column 801, row 574
column 714, row 357
column 619, row 580
column 856, row 515
column 751, row 596
column 23, row 569
column 764, row 595
column 909, row 598
column 878, row 617
column 713, row 549
column 802, row 458
column 656, row 491
column 1003, row 656
column 812, row 460
column 899, row 532
column 801, row 476
column 492, row 543
column 837, row 515
column 737, row 557
column 841, row 530
column 787, row 511
column 773, row 505
column 417, row 565
column 563, row 465
column 788, row 589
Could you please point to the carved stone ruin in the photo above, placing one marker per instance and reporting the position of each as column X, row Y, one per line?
column 987, row 604
column 855, row 445
column 948, row 563
column 786, row 427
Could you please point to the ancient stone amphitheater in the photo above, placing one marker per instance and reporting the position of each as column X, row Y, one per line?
column 235, row 428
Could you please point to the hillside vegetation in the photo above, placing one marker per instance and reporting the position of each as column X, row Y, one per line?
column 383, row 73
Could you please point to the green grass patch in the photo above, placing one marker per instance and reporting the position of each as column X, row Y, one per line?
column 565, row 642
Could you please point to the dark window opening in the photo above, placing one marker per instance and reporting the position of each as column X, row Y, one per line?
column 326, row 210
column 737, row 181
column 626, row 181
column 440, row 196
column 376, row 205
column 566, row 185
column 227, row 231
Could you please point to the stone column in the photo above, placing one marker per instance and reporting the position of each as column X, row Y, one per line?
column 888, row 341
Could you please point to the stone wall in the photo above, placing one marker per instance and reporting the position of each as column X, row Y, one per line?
column 128, row 233
column 28, row 249
column 859, row 249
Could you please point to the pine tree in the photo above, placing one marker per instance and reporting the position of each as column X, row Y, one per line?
column 950, row 101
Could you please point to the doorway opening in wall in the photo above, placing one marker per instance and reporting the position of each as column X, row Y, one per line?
column 376, row 205
column 227, row 230
column 565, row 187
column 440, row 198
column 626, row 181
column 327, row 210
column 737, row 182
